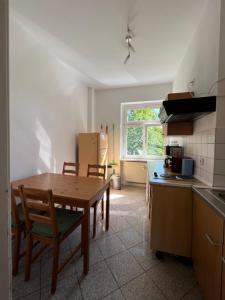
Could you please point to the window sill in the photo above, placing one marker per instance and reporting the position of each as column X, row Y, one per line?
column 134, row 160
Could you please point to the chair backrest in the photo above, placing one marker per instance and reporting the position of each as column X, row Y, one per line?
column 35, row 202
column 96, row 171
column 68, row 170
column 14, row 211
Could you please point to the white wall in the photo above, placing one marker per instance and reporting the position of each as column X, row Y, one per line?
column 201, row 64
column 48, row 106
column 108, row 104
column 201, row 60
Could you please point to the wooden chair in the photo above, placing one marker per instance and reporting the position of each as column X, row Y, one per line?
column 51, row 228
column 97, row 171
column 67, row 168
column 18, row 228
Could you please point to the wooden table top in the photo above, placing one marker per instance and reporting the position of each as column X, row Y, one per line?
column 66, row 189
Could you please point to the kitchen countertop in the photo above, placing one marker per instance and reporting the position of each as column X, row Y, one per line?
column 217, row 204
column 199, row 187
column 158, row 166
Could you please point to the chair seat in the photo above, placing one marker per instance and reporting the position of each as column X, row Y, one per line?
column 19, row 209
column 65, row 219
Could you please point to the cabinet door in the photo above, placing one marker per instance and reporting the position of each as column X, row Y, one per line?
column 171, row 219
column 207, row 248
column 223, row 274
column 88, row 151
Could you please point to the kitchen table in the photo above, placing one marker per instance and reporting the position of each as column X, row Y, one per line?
column 75, row 191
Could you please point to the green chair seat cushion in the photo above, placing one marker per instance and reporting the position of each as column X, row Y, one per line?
column 65, row 219
column 20, row 213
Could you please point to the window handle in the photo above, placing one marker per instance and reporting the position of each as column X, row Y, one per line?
column 210, row 240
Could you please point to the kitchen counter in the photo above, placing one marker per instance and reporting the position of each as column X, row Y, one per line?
column 199, row 187
column 217, row 204
column 158, row 166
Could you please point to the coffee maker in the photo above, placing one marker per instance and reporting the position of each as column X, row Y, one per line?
column 173, row 160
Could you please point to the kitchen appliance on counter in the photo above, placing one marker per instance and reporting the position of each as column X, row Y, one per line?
column 174, row 158
column 187, row 169
column 175, row 151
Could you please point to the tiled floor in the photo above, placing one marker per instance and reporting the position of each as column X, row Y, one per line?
column 122, row 265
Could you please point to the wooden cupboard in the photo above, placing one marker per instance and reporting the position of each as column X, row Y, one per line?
column 207, row 247
column 93, row 149
column 178, row 128
column 171, row 219
column 223, row 273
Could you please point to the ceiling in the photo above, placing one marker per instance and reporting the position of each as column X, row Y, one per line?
column 89, row 35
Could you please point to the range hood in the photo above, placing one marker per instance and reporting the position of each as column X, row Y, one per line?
column 186, row 109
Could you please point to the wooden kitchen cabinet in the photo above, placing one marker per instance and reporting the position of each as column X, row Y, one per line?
column 93, row 149
column 207, row 244
column 178, row 128
column 171, row 219
column 223, row 274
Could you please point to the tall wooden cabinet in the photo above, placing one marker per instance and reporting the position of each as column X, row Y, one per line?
column 93, row 149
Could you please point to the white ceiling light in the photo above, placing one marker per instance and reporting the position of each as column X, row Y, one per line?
column 128, row 39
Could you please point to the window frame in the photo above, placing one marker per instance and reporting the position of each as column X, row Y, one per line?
column 125, row 124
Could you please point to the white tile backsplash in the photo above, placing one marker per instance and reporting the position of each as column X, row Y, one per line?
column 220, row 151
column 210, row 150
column 207, row 147
column 201, row 147
column 220, row 135
column 219, row 181
column 219, row 167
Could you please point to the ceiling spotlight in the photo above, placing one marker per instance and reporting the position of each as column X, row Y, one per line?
column 128, row 40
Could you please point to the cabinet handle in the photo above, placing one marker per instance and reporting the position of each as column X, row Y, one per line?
column 211, row 241
column 223, row 260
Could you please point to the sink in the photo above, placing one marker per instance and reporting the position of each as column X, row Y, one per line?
column 219, row 194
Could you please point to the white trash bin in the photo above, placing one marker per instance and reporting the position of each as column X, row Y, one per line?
column 117, row 182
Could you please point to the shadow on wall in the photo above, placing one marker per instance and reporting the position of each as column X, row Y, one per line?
column 32, row 153
column 47, row 160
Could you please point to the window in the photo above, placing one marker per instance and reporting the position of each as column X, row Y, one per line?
column 141, row 131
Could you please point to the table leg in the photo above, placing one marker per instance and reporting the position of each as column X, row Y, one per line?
column 85, row 240
column 107, row 207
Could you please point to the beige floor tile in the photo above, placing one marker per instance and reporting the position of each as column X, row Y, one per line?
column 124, row 267
column 142, row 288
column 98, row 283
column 117, row 295
column 21, row 288
column 130, row 237
column 67, row 289
column 194, row 294
column 110, row 246
column 144, row 255
column 173, row 278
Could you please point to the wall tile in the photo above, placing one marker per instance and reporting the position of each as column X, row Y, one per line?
column 219, row 167
column 209, row 164
column 211, row 150
column 219, row 181
column 211, row 137
column 220, row 135
column 220, row 151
